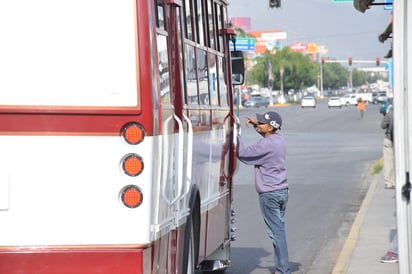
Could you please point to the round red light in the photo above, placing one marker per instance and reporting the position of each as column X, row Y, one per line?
column 133, row 133
column 131, row 196
column 132, row 165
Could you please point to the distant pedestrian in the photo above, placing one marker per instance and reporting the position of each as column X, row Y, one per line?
column 388, row 154
column 268, row 155
column 361, row 107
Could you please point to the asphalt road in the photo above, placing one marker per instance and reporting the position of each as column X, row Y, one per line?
column 330, row 152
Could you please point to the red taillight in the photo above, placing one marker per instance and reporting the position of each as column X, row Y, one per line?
column 133, row 133
column 132, row 165
column 131, row 196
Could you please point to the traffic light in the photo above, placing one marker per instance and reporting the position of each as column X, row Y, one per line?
column 274, row 4
column 323, row 60
column 350, row 61
column 362, row 5
column 378, row 62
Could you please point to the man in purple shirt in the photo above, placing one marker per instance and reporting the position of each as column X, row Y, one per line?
column 268, row 157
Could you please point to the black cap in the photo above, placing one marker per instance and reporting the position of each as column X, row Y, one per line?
column 272, row 118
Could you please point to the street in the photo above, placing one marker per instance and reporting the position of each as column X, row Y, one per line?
column 330, row 153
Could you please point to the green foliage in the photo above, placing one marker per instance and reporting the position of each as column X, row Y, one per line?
column 334, row 76
column 299, row 71
column 360, row 77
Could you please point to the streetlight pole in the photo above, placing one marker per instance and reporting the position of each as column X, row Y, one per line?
column 321, row 76
column 281, row 72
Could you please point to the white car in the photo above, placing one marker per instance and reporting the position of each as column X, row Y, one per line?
column 308, row 101
column 334, row 102
column 349, row 99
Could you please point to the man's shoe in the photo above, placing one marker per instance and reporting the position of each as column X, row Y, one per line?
column 390, row 257
column 389, row 187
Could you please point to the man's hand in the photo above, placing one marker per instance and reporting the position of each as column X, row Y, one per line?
column 250, row 120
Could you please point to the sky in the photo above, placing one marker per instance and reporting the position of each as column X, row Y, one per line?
column 339, row 27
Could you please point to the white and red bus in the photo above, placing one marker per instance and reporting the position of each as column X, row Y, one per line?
column 116, row 136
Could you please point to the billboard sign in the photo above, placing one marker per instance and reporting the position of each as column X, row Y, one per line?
column 268, row 40
column 298, row 47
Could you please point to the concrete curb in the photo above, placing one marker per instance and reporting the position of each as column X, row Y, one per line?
column 345, row 256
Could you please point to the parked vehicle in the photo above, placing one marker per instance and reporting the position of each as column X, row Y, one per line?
column 334, row 102
column 366, row 96
column 349, row 99
column 384, row 107
column 308, row 101
column 379, row 97
column 257, row 100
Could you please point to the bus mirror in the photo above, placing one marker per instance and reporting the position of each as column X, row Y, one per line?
column 238, row 67
column 237, row 79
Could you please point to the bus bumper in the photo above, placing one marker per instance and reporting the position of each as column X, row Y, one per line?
column 69, row 261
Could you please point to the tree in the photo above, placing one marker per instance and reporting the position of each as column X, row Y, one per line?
column 359, row 78
column 293, row 70
column 334, row 76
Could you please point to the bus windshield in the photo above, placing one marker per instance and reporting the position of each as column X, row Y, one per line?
column 71, row 53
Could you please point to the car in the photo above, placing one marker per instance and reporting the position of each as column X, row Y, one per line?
column 379, row 97
column 308, row 101
column 334, row 102
column 349, row 99
column 374, row 97
column 257, row 100
column 384, row 107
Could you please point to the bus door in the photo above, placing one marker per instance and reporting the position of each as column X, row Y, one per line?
column 175, row 166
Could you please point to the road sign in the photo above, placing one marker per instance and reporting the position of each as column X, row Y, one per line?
column 244, row 44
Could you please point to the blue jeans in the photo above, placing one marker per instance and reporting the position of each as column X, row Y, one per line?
column 273, row 206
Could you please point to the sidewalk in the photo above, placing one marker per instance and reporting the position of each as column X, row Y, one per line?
column 371, row 233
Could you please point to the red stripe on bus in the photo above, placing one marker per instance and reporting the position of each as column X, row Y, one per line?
column 72, row 261
column 45, row 124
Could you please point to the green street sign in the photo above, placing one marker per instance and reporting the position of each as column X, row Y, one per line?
column 244, row 43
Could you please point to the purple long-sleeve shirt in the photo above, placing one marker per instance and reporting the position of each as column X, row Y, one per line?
column 268, row 156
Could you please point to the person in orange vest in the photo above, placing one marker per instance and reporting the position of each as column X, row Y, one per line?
column 361, row 106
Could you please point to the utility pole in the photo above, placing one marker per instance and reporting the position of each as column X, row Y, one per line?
column 322, row 62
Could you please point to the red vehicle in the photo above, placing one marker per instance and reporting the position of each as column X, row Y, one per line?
column 116, row 136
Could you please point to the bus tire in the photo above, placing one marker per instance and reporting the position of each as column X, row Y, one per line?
column 192, row 234
column 189, row 258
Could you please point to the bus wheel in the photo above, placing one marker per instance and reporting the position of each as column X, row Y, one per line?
column 189, row 252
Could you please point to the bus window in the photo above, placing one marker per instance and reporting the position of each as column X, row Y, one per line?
column 222, row 83
column 199, row 23
column 202, row 74
column 179, row 28
column 214, row 99
column 191, row 78
column 160, row 17
column 219, row 26
column 188, row 23
column 163, row 68
column 162, row 55
column 211, row 25
column 87, row 62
